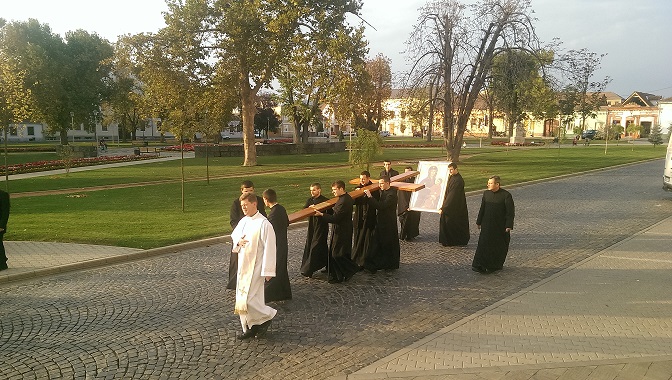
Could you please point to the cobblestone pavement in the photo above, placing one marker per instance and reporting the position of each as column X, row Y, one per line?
column 171, row 317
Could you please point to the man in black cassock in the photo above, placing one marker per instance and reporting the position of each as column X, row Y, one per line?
column 4, row 217
column 340, row 266
column 235, row 215
column 454, row 221
column 388, row 171
column 364, row 222
column 408, row 219
column 316, row 251
column 495, row 220
column 278, row 288
column 386, row 250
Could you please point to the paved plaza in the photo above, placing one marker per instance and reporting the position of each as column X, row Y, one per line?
column 584, row 294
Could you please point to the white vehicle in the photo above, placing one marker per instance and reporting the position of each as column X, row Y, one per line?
column 667, row 174
column 384, row 133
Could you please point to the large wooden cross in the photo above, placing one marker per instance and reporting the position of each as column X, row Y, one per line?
column 395, row 182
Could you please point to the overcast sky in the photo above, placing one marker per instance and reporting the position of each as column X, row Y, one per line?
column 634, row 35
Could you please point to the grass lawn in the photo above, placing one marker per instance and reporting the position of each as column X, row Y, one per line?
column 151, row 215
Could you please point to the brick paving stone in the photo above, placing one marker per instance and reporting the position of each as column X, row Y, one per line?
column 172, row 315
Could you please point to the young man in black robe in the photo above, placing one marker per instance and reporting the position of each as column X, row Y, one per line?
column 386, row 250
column 316, row 251
column 278, row 288
column 495, row 220
column 388, row 171
column 454, row 221
column 340, row 266
column 235, row 215
column 364, row 222
column 408, row 219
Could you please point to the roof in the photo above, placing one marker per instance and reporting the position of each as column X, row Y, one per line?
column 642, row 99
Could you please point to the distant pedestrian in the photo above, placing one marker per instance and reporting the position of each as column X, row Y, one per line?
column 340, row 266
column 235, row 215
column 316, row 250
column 4, row 217
column 454, row 221
column 278, row 288
column 495, row 220
column 409, row 220
column 254, row 242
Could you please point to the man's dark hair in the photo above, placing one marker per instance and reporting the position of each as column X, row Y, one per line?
column 452, row 165
column 366, row 173
column 339, row 184
column 409, row 168
column 246, row 184
column 386, row 160
column 495, row 178
column 316, row 184
column 250, row 197
column 270, row 195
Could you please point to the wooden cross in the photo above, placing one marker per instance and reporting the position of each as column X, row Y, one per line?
column 395, row 182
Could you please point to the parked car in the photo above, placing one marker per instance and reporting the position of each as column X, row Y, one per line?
column 384, row 133
column 589, row 134
column 417, row 134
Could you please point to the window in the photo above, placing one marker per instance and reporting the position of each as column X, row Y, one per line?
column 31, row 131
column 104, row 128
column 13, row 131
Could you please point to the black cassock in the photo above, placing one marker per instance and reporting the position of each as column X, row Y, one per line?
column 495, row 215
column 389, row 174
column 316, row 251
column 386, row 251
column 341, row 267
column 408, row 219
column 454, row 221
column 278, row 288
column 235, row 215
column 364, row 222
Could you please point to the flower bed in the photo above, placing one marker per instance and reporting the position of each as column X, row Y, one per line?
column 39, row 166
column 173, row 148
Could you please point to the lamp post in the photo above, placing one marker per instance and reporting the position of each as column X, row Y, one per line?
column 72, row 125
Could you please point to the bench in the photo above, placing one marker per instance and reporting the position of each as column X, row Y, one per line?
column 147, row 150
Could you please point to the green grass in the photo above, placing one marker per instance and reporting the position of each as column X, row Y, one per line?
column 151, row 216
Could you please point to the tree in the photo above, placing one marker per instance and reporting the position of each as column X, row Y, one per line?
column 512, row 81
column 583, row 95
column 248, row 40
column 321, row 65
column 656, row 136
column 455, row 50
column 67, row 78
column 364, row 148
column 381, row 79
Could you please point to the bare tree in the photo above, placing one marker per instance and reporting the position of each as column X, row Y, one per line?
column 456, row 44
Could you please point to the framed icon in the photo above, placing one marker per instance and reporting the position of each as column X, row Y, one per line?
column 434, row 175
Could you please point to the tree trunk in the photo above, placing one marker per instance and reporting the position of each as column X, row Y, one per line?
column 63, row 133
column 247, row 113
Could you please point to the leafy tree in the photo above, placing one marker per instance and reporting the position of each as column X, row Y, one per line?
column 656, row 135
column 453, row 47
column 364, row 148
column 66, row 78
column 582, row 94
column 380, row 90
column 512, row 83
column 248, row 41
column 265, row 121
column 320, row 67
column 633, row 130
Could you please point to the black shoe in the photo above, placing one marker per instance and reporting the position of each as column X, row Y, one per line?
column 309, row 275
column 479, row 269
column 334, row 280
column 250, row 333
column 370, row 271
column 263, row 328
column 3, row 267
column 324, row 270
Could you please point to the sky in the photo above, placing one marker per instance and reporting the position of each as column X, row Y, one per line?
column 634, row 35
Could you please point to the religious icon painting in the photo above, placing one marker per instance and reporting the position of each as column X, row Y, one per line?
column 434, row 175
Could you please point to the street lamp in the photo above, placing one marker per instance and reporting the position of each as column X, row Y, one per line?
column 72, row 125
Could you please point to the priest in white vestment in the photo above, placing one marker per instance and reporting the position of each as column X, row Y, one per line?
column 254, row 241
